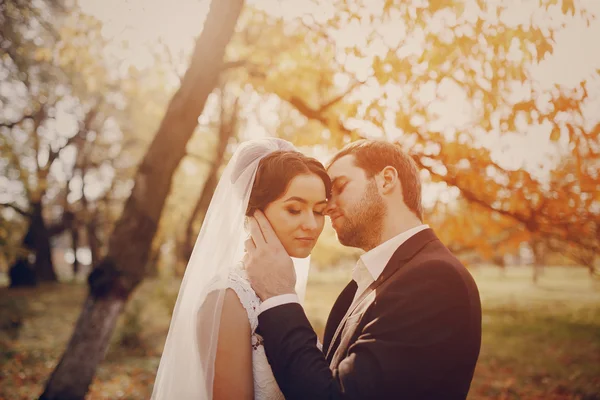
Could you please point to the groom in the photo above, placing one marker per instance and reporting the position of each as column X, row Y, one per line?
column 408, row 325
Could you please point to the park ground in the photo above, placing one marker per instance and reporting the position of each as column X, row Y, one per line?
column 540, row 341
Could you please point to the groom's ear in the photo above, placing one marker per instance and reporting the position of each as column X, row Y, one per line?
column 389, row 180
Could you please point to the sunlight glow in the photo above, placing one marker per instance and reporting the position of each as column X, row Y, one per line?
column 145, row 24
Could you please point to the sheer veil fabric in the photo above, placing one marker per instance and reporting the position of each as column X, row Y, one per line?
column 186, row 369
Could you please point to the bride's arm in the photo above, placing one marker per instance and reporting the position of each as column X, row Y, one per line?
column 233, row 363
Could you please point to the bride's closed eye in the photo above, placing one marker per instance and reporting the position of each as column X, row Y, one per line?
column 297, row 212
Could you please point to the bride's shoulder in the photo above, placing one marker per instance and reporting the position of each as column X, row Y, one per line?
column 238, row 281
column 238, row 275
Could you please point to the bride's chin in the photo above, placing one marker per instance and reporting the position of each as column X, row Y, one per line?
column 299, row 253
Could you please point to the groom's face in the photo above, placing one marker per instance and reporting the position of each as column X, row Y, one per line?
column 355, row 207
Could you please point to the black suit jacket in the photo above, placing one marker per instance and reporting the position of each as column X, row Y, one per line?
column 414, row 334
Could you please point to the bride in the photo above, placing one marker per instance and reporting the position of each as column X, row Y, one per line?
column 212, row 349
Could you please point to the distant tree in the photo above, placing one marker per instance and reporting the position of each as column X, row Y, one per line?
column 117, row 275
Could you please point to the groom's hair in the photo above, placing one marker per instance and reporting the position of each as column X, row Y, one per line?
column 276, row 171
column 374, row 155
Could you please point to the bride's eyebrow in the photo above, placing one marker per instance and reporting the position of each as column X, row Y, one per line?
column 301, row 200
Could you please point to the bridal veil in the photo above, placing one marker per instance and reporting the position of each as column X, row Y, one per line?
column 186, row 369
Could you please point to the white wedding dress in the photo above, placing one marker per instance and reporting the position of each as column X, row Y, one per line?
column 265, row 385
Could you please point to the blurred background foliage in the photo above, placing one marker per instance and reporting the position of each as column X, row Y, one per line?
column 117, row 118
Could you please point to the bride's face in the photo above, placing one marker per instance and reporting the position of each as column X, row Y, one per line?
column 297, row 216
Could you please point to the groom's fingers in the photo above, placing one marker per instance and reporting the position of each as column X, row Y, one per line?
column 265, row 227
column 256, row 233
column 249, row 245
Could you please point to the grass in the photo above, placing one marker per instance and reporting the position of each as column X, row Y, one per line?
column 542, row 341
column 539, row 341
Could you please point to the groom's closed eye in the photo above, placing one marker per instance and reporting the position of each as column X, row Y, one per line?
column 338, row 186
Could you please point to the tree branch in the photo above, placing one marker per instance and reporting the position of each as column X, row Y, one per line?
column 533, row 223
column 469, row 195
column 10, row 125
column 66, row 222
column 8, row 148
column 170, row 60
column 339, row 98
column 307, row 111
column 17, row 209
column 85, row 126
column 317, row 115
column 38, row 119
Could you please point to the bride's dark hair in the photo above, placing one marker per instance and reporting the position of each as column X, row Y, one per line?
column 275, row 172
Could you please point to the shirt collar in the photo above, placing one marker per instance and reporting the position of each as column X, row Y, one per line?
column 377, row 258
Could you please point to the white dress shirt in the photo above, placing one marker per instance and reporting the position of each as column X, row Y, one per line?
column 368, row 268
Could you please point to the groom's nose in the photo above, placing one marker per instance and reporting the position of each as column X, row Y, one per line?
column 330, row 207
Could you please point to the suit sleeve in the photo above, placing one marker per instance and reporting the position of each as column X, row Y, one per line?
column 410, row 339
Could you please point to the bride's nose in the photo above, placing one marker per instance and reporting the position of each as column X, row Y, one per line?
column 309, row 223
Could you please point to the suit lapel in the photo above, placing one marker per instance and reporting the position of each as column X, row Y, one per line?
column 362, row 299
column 404, row 253
column 348, row 327
column 337, row 313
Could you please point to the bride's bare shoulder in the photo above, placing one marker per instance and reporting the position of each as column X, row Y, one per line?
column 233, row 314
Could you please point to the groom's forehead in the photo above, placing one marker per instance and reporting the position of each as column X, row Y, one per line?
column 342, row 166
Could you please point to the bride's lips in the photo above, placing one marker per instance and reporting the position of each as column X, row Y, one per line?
column 306, row 240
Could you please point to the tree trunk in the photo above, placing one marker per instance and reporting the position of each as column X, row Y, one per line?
column 499, row 260
column 44, row 269
column 21, row 274
column 199, row 211
column 153, row 258
column 37, row 239
column 75, row 246
column 92, row 240
column 539, row 260
column 86, row 348
column 113, row 280
column 227, row 129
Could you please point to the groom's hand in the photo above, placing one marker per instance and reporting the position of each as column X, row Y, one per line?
column 269, row 267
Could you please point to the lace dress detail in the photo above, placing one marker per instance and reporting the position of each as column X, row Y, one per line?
column 265, row 385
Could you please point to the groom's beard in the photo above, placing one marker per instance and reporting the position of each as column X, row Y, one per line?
column 363, row 225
